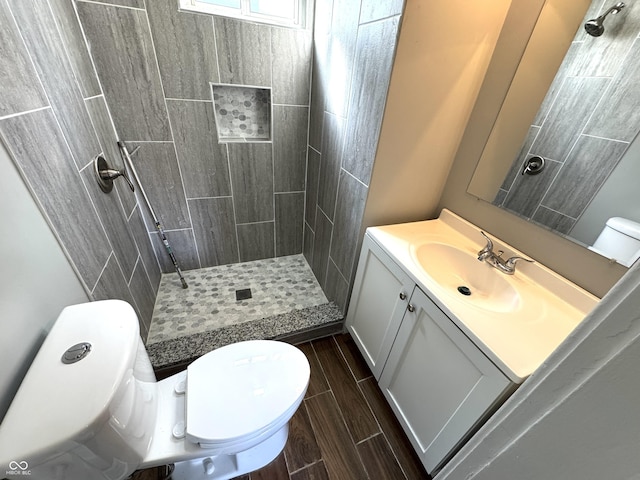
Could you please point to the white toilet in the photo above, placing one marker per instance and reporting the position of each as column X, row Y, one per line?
column 619, row 240
column 96, row 411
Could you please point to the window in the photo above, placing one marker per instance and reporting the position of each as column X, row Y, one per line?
column 289, row 13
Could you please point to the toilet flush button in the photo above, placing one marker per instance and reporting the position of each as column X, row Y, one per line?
column 178, row 430
column 208, row 465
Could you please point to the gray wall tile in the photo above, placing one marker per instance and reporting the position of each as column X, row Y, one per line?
column 183, row 245
column 289, row 223
column 122, row 3
column 554, row 220
column 215, row 230
column 330, row 161
column 313, row 171
column 527, row 191
column 203, row 161
column 582, row 174
column 244, row 55
column 321, row 244
column 122, row 50
column 144, row 296
column 289, row 147
column 59, row 189
column 340, row 55
column 372, row 73
column 371, row 10
column 352, row 196
column 69, row 27
column 114, row 222
column 317, row 105
column 113, row 286
column 619, row 116
column 109, row 143
column 141, row 237
column 52, row 63
column 307, row 244
column 186, row 50
column 337, row 288
column 571, row 110
column 252, row 180
column 256, row 241
column 158, row 170
column 291, row 54
column 21, row 90
column 574, row 50
column 500, row 197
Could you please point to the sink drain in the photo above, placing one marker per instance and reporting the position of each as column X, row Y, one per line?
column 464, row 290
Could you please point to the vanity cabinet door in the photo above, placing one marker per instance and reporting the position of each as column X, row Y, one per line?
column 439, row 384
column 380, row 296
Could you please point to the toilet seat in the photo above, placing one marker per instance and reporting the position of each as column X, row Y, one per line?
column 243, row 392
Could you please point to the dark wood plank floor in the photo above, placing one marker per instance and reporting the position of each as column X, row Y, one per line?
column 344, row 429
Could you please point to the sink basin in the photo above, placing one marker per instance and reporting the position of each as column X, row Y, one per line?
column 463, row 275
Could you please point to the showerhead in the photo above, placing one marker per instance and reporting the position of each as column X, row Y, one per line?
column 595, row 27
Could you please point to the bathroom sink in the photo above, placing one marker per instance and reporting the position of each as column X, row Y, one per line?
column 463, row 275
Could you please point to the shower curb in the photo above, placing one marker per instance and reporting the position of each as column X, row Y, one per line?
column 182, row 350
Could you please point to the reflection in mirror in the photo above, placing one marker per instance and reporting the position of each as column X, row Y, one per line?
column 586, row 132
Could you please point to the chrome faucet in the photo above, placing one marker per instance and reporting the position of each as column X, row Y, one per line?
column 495, row 259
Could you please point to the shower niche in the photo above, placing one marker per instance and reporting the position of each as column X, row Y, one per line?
column 242, row 113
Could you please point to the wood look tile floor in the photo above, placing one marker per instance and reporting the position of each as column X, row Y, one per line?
column 344, row 428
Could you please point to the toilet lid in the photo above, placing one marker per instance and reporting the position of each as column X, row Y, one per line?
column 239, row 390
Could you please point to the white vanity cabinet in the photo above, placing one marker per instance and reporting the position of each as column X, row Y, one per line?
column 380, row 297
column 437, row 381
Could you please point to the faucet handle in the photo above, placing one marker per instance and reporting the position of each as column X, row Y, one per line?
column 489, row 246
column 513, row 260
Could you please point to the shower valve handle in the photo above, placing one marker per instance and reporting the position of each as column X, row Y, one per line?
column 106, row 175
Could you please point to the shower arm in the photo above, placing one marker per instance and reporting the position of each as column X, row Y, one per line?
column 613, row 11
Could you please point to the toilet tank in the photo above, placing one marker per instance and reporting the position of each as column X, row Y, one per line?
column 85, row 419
column 620, row 240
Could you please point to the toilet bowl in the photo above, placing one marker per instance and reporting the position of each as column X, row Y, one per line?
column 91, row 408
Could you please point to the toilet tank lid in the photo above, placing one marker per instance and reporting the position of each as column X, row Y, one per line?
column 626, row 226
column 57, row 403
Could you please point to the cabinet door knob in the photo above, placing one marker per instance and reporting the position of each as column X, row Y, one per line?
column 403, row 296
column 411, row 308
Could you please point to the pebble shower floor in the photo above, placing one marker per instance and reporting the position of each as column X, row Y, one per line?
column 278, row 285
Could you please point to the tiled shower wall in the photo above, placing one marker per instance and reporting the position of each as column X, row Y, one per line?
column 54, row 120
column 354, row 47
column 585, row 124
column 219, row 203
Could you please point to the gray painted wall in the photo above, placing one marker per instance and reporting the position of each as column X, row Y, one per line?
column 36, row 284
column 352, row 62
column 53, row 120
column 219, row 203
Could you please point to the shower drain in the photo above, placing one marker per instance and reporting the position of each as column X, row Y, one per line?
column 243, row 294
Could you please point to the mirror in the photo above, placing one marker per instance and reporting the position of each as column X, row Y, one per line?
column 579, row 161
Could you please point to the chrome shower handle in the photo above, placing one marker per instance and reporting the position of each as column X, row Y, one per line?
column 105, row 175
column 110, row 174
